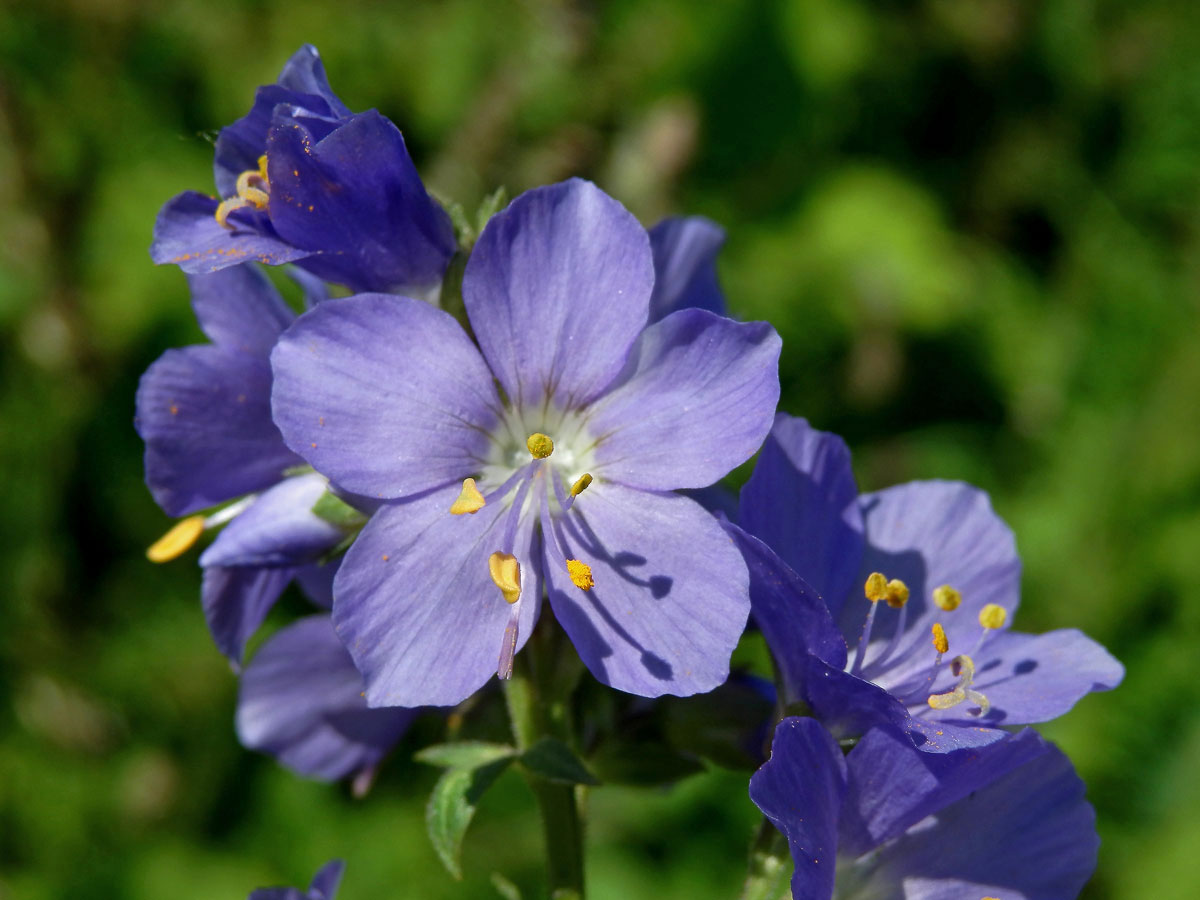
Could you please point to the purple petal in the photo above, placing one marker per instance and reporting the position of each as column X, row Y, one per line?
column 239, row 309
column 1035, row 678
column 325, row 883
column 849, row 706
column 205, row 416
column 670, row 598
column 1009, row 820
column 278, row 529
column 416, row 606
column 930, row 533
column 305, row 73
column 685, row 266
column 801, row 501
column 240, row 144
column 800, row 789
column 301, row 701
column 933, row 736
column 695, row 400
column 316, row 581
column 385, row 395
column 236, row 601
column 187, row 234
column 793, row 619
column 557, row 288
column 355, row 196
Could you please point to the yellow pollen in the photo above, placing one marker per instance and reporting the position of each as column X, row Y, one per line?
column 939, row 638
column 469, row 499
column 253, row 189
column 993, row 616
column 177, row 541
column 582, row 484
column 506, row 574
column 876, row 587
column 262, row 168
column 581, row 574
column 224, row 208
column 897, row 593
column 539, row 445
column 947, row 598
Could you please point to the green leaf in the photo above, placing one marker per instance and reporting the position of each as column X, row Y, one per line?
column 452, row 806
column 464, row 754
column 492, row 204
column 505, row 888
column 641, row 763
column 334, row 509
column 555, row 761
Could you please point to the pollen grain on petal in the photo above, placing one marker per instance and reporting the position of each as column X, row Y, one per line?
column 581, row 574
column 539, row 445
column 506, row 575
column 469, row 499
column 177, row 541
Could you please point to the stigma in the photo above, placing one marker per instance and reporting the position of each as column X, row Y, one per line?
column 182, row 536
column 506, row 575
column 469, row 500
column 964, row 668
column 581, row 574
column 539, row 445
column 253, row 189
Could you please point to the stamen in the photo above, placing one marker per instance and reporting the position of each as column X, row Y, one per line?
column 506, row 575
column 253, row 189
column 508, row 649
column 876, row 587
column 177, row 541
column 964, row 668
column 947, row 598
column 992, row 616
column 897, row 593
column 581, row 574
column 539, row 445
column 225, row 207
column 469, row 501
column 582, row 484
column 939, row 638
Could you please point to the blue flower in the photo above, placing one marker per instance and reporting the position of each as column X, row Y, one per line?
column 301, row 701
column 685, row 266
column 564, row 477
column 932, row 650
column 304, row 180
column 1007, row 821
column 324, row 886
column 205, row 415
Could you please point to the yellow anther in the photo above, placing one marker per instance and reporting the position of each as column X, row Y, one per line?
column 947, row 598
column 262, row 168
column 993, row 616
column 897, row 593
column 581, row 574
column 582, row 484
column 177, row 541
column 939, row 638
column 539, row 445
column 469, row 499
column 506, row 573
column 876, row 587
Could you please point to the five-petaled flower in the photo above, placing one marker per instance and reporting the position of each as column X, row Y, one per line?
column 548, row 456
column 921, row 579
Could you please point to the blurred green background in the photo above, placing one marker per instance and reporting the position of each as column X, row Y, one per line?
column 976, row 224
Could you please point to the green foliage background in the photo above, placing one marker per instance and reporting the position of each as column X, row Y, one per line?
column 976, row 224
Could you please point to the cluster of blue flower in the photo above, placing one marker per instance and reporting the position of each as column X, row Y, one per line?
column 428, row 480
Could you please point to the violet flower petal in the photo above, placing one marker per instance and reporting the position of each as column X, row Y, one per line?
column 386, row 395
column 557, row 289
column 685, row 266
column 670, row 596
column 695, row 399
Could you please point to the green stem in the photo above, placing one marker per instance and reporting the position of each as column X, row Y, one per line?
column 770, row 866
column 536, row 709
